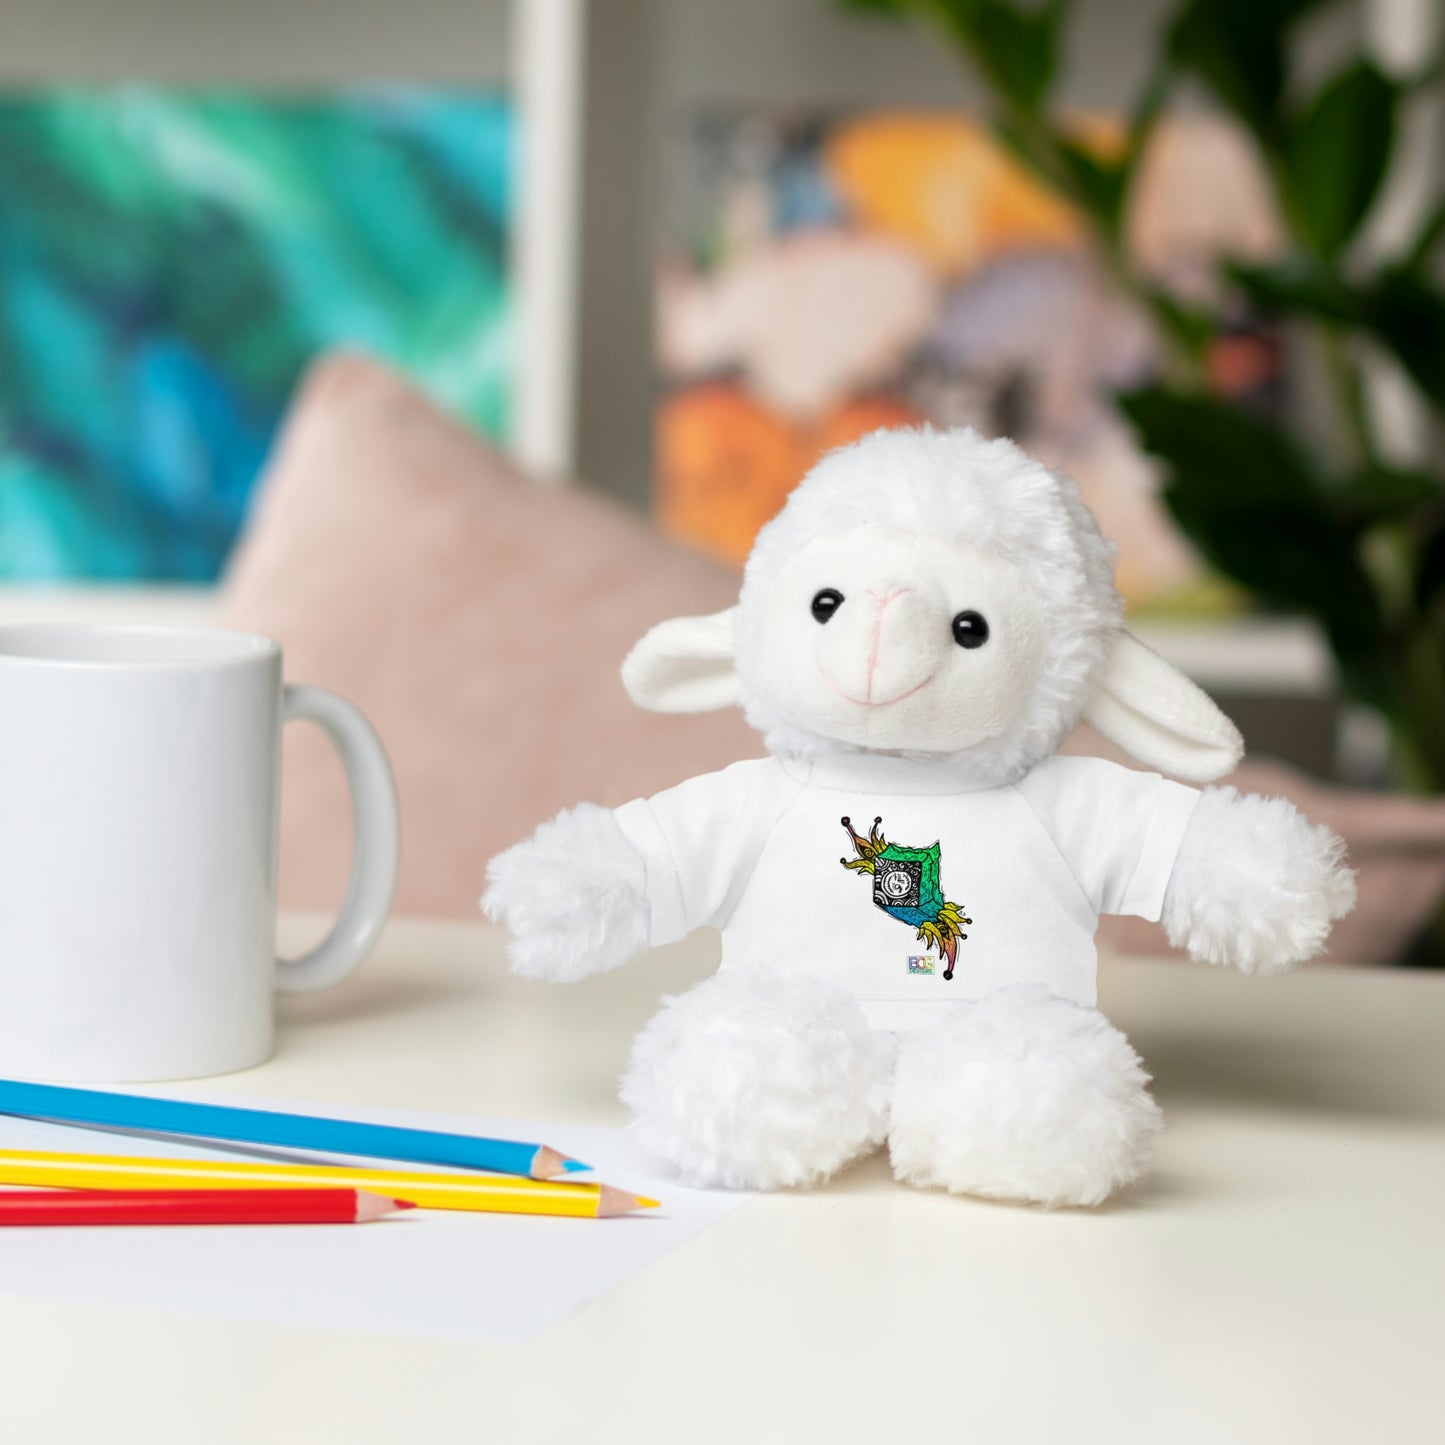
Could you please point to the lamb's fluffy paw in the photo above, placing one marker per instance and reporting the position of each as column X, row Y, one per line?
column 573, row 897
column 758, row 1080
column 1256, row 884
column 1021, row 1096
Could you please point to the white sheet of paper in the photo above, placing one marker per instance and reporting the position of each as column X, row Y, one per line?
column 424, row 1272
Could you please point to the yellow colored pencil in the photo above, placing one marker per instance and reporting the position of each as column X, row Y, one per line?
column 487, row 1193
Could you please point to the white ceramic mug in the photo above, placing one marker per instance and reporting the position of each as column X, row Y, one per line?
column 139, row 784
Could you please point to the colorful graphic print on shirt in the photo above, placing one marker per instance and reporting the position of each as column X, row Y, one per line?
column 906, row 887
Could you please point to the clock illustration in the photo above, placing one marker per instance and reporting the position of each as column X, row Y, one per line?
column 896, row 882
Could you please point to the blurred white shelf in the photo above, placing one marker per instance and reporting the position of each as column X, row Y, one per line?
column 175, row 606
column 1268, row 656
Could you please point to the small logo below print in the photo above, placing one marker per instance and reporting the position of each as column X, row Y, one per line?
column 920, row 965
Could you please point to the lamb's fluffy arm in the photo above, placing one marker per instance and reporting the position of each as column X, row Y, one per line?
column 1256, row 884
column 592, row 889
column 573, row 896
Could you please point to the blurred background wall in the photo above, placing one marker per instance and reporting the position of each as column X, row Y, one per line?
column 261, row 41
column 648, row 65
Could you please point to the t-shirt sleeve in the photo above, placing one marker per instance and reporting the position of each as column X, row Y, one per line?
column 700, row 841
column 1118, row 830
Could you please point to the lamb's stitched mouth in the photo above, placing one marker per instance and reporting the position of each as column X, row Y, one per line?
column 866, row 702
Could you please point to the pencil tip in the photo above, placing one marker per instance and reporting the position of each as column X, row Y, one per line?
column 548, row 1163
column 612, row 1202
column 377, row 1206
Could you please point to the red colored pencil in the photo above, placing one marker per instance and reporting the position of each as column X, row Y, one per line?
column 194, row 1206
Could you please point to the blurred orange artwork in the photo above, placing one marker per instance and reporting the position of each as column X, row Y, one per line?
column 730, row 461
column 831, row 274
column 942, row 184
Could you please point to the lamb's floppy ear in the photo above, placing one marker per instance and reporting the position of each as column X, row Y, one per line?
column 685, row 665
column 1154, row 712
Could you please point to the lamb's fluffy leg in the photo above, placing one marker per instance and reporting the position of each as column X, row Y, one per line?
column 573, row 897
column 1021, row 1096
column 759, row 1080
column 1256, row 884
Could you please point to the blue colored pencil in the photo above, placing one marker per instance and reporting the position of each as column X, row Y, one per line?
column 149, row 1115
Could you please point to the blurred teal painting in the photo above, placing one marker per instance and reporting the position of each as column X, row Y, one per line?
column 170, row 261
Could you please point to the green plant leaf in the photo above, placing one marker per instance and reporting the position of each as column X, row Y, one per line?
column 1430, row 570
column 1403, row 309
column 1381, row 493
column 1021, row 142
column 1253, row 502
column 1244, row 459
column 1016, row 46
column 1237, row 48
column 1099, row 185
column 1302, row 285
column 1337, row 155
column 1407, row 312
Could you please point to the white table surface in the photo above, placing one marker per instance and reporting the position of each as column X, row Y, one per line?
column 1281, row 1278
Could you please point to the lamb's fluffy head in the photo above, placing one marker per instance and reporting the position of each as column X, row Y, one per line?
column 933, row 594
column 914, row 529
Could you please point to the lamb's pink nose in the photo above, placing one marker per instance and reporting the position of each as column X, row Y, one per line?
column 884, row 650
column 900, row 658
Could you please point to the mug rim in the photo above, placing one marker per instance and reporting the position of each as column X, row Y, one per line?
column 195, row 648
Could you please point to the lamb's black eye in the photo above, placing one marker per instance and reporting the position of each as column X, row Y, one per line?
column 969, row 629
column 826, row 603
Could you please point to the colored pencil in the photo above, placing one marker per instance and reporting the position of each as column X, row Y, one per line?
column 194, row 1206
column 150, row 1115
column 493, row 1194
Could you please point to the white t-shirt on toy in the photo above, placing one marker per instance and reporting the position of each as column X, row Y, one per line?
column 888, row 877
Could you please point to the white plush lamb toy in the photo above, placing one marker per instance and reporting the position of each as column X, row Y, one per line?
column 908, row 887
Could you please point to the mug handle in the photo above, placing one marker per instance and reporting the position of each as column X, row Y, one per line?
column 375, row 853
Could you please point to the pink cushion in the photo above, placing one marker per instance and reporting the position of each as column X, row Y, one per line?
column 476, row 617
